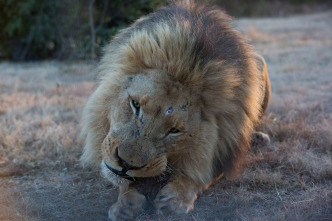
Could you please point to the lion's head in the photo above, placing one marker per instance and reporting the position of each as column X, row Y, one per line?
column 151, row 119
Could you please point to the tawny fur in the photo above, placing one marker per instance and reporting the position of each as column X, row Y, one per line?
column 182, row 55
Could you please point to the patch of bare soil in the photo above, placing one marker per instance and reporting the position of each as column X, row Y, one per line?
column 291, row 179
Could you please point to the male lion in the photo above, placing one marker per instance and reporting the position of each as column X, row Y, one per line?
column 180, row 93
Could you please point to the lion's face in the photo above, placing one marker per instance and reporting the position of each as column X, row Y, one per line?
column 151, row 119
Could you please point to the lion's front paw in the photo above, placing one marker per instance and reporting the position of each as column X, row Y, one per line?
column 170, row 200
column 127, row 206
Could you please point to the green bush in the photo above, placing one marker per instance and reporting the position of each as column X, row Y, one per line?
column 34, row 29
column 26, row 26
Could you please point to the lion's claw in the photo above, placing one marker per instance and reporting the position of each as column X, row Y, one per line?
column 127, row 206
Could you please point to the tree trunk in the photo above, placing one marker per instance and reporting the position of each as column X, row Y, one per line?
column 92, row 28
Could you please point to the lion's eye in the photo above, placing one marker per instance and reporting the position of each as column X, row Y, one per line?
column 136, row 105
column 173, row 131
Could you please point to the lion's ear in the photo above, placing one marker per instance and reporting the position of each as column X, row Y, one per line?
column 95, row 126
column 261, row 65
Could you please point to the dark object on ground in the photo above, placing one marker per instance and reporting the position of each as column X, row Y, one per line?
column 150, row 186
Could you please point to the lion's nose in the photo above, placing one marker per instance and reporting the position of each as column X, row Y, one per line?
column 125, row 165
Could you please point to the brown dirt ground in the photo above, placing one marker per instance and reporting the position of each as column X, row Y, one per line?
column 291, row 179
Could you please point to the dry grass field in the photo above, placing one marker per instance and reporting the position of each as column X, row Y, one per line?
column 291, row 179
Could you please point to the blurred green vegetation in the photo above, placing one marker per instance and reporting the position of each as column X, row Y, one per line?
column 60, row 29
column 77, row 29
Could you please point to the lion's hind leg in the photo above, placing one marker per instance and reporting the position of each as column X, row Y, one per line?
column 260, row 139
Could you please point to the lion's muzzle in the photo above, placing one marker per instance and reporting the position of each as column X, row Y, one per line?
column 121, row 173
column 127, row 157
column 130, row 157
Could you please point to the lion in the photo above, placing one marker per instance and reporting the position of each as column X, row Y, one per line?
column 180, row 93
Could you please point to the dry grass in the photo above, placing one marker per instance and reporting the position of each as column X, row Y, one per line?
column 40, row 109
column 291, row 179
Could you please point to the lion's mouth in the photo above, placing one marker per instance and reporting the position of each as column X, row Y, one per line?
column 121, row 173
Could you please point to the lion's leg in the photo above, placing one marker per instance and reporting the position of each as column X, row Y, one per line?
column 130, row 202
column 260, row 139
column 177, row 197
column 192, row 172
